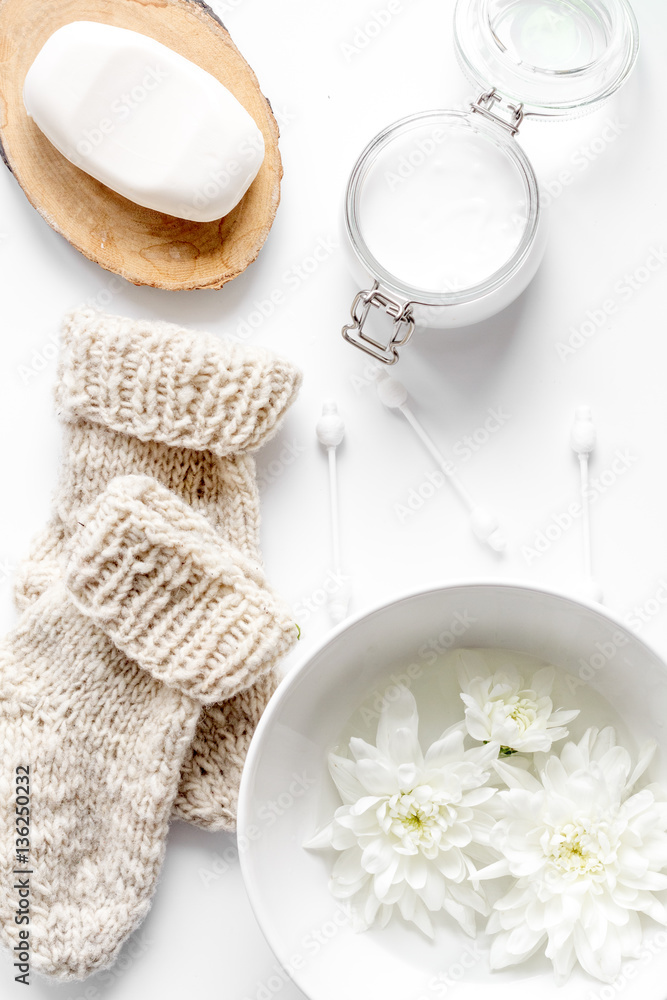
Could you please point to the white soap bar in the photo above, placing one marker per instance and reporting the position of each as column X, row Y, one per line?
column 145, row 121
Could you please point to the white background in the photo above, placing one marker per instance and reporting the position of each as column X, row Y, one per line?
column 200, row 936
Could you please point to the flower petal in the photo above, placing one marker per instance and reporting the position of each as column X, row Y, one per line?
column 522, row 942
column 399, row 713
column 449, row 746
column 563, row 959
column 470, row 665
column 515, row 777
column 542, row 682
column 377, row 856
column 403, row 747
column 496, row 870
column 344, row 774
column 464, row 916
column 320, row 840
column 500, row 956
column 434, row 891
column 348, row 867
column 416, row 871
column 561, row 717
column 646, row 755
column 383, row 880
column 376, row 777
column 361, row 750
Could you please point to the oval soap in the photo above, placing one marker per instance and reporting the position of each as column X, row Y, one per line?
column 142, row 119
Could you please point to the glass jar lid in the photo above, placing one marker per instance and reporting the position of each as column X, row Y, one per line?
column 559, row 58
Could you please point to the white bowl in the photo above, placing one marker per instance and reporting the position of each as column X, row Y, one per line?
column 287, row 794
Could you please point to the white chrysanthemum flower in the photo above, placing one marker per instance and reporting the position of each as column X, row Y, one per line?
column 411, row 824
column 503, row 708
column 587, row 854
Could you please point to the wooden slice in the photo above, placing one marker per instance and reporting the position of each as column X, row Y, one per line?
column 146, row 247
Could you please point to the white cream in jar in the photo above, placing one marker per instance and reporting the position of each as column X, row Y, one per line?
column 442, row 207
column 442, row 210
column 442, row 213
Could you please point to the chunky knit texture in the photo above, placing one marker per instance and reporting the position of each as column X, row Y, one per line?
column 157, row 382
column 141, row 397
column 104, row 732
column 173, row 595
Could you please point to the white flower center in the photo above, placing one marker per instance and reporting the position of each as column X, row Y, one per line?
column 420, row 821
column 575, row 849
column 523, row 712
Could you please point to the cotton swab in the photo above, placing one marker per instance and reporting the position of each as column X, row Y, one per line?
column 583, row 440
column 484, row 522
column 330, row 432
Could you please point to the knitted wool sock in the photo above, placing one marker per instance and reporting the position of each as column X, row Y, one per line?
column 101, row 687
column 142, row 397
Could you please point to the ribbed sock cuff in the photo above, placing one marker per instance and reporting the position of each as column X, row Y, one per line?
column 172, row 595
column 158, row 382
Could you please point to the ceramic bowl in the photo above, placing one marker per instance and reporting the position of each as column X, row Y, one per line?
column 287, row 793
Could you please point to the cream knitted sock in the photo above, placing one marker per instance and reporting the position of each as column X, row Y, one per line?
column 141, row 397
column 101, row 687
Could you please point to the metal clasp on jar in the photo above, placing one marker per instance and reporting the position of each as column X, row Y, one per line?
column 485, row 104
column 403, row 326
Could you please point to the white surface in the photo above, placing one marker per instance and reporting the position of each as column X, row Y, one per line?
column 339, row 693
column 143, row 120
column 332, row 96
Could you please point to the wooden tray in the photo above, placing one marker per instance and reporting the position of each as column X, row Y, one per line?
column 146, row 247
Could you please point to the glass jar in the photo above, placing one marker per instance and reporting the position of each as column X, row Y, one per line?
column 442, row 210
